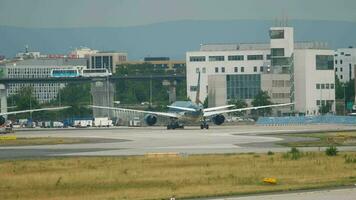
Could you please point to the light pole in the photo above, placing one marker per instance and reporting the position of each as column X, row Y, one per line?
column 344, row 86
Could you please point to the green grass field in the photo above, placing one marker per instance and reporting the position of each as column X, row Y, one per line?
column 324, row 139
column 142, row 177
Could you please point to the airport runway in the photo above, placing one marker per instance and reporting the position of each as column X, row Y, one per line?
column 335, row 194
column 124, row 141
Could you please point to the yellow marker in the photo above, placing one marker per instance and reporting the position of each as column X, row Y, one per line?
column 270, row 180
column 8, row 137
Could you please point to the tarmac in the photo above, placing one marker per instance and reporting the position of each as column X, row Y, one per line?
column 126, row 141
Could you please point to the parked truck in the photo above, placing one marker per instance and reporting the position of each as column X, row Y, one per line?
column 102, row 122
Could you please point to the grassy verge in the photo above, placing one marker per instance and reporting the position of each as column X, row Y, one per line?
column 137, row 178
column 324, row 139
column 23, row 141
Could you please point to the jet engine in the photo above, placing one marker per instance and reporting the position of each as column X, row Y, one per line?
column 2, row 120
column 150, row 120
column 218, row 119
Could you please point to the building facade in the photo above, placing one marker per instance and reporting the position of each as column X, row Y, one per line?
column 162, row 63
column 287, row 70
column 345, row 59
column 108, row 60
column 39, row 68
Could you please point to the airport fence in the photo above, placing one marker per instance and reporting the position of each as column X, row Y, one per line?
column 302, row 120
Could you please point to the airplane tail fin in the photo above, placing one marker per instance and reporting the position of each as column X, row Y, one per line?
column 197, row 100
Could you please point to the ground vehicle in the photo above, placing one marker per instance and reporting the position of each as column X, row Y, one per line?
column 95, row 73
column 102, row 122
column 63, row 73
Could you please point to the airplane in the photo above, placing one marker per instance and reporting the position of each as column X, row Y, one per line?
column 188, row 111
column 4, row 122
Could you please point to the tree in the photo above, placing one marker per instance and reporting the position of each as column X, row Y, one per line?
column 206, row 102
column 324, row 109
column 262, row 99
column 77, row 96
column 24, row 100
column 238, row 104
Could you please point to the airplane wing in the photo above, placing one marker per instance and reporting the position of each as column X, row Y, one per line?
column 217, row 108
column 164, row 114
column 208, row 114
column 34, row 110
column 182, row 108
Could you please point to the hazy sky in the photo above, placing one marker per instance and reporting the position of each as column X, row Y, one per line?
column 116, row 13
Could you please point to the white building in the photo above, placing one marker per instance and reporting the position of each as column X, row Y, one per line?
column 82, row 52
column 345, row 59
column 288, row 71
column 39, row 68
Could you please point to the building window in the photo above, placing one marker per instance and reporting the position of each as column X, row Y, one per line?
column 277, row 52
column 204, row 70
column 268, row 56
column 318, row 86
column 193, row 88
column 243, row 86
column 197, row 70
column 235, row 57
column 223, row 69
column 335, row 62
column 261, row 69
column 324, row 62
column 347, row 54
column 332, row 86
column 242, row 69
column 341, row 69
column 235, row 69
column 216, row 69
column 341, row 77
column 216, row 58
column 254, row 57
column 254, row 69
column 318, row 102
column 327, row 86
column 341, row 62
column 322, row 86
column 197, row 58
column 276, row 34
column 335, row 69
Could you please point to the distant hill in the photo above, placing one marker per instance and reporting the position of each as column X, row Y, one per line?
column 171, row 39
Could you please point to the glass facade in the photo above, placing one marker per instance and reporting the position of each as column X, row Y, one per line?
column 236, row 57
column 276, row 34
column 324, row 62
column 197, row 58
column 277, row 51
column 243, row 86
column 254, row 57
column 216, row 58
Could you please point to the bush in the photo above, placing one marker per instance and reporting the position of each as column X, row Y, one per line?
column 331, row 151
column 270, row 153
column 293, row 154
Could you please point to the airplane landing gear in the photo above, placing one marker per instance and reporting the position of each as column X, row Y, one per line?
column 204, row 124
column 173, row 124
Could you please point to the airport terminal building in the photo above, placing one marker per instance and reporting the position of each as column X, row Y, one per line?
column 300, row 72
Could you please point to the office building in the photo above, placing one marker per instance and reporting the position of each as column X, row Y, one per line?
column 107, row 60
column 39, row 68
column 344, row 60
column 289, row 71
